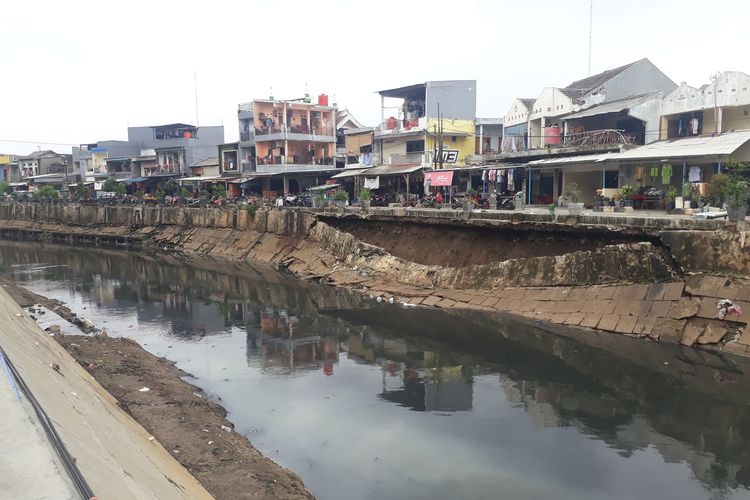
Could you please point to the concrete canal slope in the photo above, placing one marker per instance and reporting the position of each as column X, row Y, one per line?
column 113, row 452
column 653, row 277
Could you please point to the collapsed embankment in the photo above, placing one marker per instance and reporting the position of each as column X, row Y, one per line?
column 657, row 278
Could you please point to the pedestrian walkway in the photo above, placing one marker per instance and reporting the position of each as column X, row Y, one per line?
column 29, row 467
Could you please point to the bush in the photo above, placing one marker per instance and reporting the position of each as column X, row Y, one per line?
column 717, row 188
column 627, row 191
column 110, row 185
column 341, row 196
column 219, row 190
column 46, row 193
column 5, row 188
column 171, row 187
column 736, row 193
column 184, row 192
column 251, row 209
column 365, row 194
column 572, row 194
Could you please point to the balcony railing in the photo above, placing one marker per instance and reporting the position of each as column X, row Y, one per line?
column 393, row 125
column 293, row 129
column 598, row 138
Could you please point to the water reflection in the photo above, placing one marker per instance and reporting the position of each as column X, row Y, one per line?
column 387, row 402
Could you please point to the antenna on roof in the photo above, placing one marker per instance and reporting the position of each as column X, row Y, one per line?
column 195, row 82
column 591, row 25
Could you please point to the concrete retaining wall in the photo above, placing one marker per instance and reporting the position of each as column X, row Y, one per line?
column 112, row 451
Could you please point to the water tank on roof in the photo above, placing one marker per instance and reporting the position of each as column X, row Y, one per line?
column 322, row 100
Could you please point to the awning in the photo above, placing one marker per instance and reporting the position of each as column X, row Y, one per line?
column 350, row 172
column 720, row 145
column 394, row 169
column 567, row 160
column 197, row 178
column 132, row 180
column 324, row 187
column 439, row 178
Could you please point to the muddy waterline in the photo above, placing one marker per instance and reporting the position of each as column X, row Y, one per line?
column 378, row 401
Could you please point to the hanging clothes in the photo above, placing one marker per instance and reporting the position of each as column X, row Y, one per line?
column 654, row 172
column 666, row 174
column 484, row 175
column 372, row 182
column 694, row 174
column 640, row 173
column 511, row 181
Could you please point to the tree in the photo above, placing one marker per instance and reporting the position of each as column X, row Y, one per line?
column 5, row 188
column 110, row 185
column 80, row 192
column 46, row 193
column 219, row 190
column 171, row 187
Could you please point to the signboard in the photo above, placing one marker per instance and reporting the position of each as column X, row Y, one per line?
column 450, row 155
column 437, row 179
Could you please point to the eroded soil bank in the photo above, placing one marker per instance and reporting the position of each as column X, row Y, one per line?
column 465, row 246
column 184, row 420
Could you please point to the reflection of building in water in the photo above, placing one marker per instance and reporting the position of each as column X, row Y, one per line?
column 285, row 343
column 420, row 380
column 551, row 405
column 104, row 290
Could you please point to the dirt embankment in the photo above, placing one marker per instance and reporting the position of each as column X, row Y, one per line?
column 185, row 421
column 465, row 246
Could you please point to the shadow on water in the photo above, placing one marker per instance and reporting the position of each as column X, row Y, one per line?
column 689, row 406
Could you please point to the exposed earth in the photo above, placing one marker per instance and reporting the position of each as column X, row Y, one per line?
column 433, row 245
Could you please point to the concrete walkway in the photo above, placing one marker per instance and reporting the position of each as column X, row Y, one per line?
column 112, row 451
column 30, row 467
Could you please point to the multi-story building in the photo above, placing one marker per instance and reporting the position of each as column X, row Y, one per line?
column 43, row 163
column 176, row 146
column 412, row 116
column 720, row 106
column 9, row 168
column 293, row 135
column 100, row 160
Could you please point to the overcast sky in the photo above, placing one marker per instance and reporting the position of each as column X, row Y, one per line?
column 75, row 72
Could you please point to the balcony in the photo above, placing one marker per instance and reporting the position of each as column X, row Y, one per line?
column 597, row 138
column 121, row 175
column 393, row 126
column 294, row 133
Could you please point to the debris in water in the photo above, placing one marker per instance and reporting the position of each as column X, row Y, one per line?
column 379, row 299
column 225, row 428
column 144, row 389
column 151, row 438
column 210, row 442
column 55, row 367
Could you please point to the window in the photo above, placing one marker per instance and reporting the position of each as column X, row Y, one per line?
column 453, row 138
column 415, row 146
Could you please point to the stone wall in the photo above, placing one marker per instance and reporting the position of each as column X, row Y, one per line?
column 632, row 288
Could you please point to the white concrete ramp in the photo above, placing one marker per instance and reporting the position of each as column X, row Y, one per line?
column 112, row 451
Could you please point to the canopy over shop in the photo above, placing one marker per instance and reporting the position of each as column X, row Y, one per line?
column 399, row 180
column 548, row 178
column 679, row 162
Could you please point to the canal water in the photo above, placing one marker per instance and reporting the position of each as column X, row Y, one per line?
column 378, row 401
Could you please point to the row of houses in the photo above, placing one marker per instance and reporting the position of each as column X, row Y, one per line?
column 621, row 126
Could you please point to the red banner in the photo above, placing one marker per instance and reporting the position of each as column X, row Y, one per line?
column 439, row 178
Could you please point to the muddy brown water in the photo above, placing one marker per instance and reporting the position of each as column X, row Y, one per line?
column 378, row 401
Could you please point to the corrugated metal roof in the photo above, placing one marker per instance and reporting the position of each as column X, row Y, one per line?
column 350, row 172
column 393, row 169
column 613, row 106
column 724, row 144
column 573, row 159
